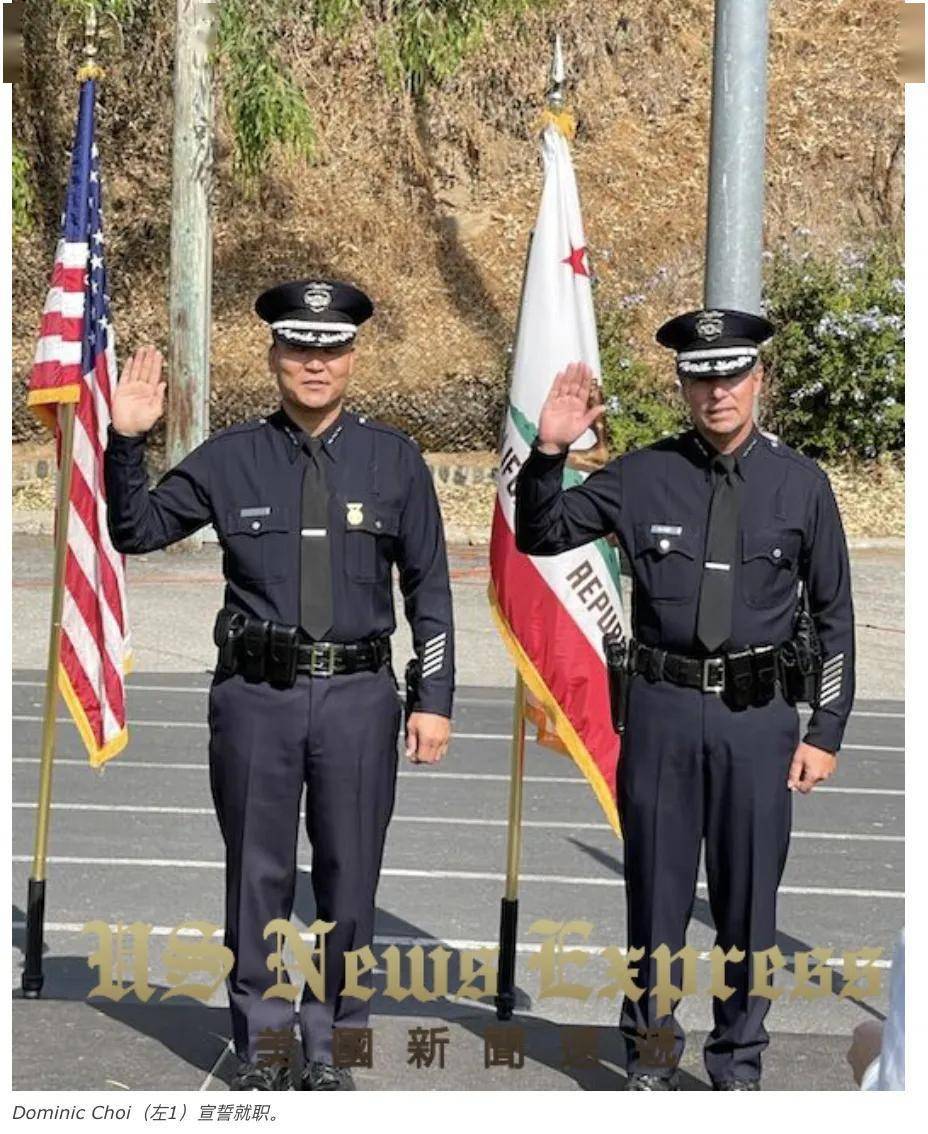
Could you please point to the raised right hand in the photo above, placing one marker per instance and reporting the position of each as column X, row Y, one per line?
column 138, row 400
column 566, row 413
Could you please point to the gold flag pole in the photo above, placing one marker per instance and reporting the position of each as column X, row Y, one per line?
column 509, row 904
column 32, row 976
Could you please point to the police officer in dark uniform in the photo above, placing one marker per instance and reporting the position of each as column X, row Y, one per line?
column 313, row 505
column 724, row 528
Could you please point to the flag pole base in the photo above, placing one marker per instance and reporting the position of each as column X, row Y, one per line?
column 32, row 978
column 506, row 985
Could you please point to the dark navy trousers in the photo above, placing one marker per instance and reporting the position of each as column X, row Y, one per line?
column 338, row 736
column 693, row 770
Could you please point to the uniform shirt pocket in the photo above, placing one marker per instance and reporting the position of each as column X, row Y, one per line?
column 370, row 528
column 769, row 565
column 258, row 544
column 667, row 558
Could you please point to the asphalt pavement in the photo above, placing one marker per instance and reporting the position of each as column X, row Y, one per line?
column 140, row 843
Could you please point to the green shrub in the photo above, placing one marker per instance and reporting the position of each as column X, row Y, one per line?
column 837, row 363
column 334, row 17
column 23, row 197
column 262, row 101
column 424, row 41
column 642, row 404
column 835, row 367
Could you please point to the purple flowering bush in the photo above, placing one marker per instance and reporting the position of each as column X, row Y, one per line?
column 836, row 366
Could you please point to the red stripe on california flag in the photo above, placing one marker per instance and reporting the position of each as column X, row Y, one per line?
column 560, row 651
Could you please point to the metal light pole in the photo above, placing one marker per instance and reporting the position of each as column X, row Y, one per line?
column 734, row 238
column 191, row 229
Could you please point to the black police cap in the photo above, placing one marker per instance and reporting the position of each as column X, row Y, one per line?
column 314, row 312
column 715, row 342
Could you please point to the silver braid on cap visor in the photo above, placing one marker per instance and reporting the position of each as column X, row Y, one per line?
column 725, row 360
column 316, row 334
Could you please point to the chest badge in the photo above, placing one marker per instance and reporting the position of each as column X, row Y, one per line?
column 355, row 512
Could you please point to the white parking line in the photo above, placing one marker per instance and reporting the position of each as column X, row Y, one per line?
column 460, row 875
column 202, row 690
column 422, row 773
column 502, row 736
column 439, row 820
column 227, row 1050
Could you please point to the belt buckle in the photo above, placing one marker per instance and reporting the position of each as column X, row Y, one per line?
column 710, row 685
column 328, row 669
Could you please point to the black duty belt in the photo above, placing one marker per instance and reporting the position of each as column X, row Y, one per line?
column 323, row 659
column 743, row 677
column 262, row 650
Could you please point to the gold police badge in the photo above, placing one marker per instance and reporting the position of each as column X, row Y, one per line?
column 355, row 512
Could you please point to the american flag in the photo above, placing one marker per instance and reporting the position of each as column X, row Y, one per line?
column 75, row 362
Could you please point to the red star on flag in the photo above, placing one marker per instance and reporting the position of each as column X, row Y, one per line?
column 575, row 259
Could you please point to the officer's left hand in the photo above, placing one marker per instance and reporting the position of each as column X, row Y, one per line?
column 810, row 765
column 427, row 736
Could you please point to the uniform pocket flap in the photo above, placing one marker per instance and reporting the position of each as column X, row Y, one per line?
column 371, row 516
column 662, row 539
column 256, row 519
column 774, row 544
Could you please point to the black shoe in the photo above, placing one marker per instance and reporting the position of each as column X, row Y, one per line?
column 647, row 1081
column 325, row 1077
column 737, row 1085
column 262, row 1077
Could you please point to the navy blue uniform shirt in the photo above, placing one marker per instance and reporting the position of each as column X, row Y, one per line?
column 247, row 482
column 657, row 500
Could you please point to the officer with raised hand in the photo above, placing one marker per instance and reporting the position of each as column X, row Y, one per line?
column 313, row 505
column 734, row 541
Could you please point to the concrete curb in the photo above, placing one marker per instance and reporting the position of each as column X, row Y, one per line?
column 39, row 522
column 461, row 474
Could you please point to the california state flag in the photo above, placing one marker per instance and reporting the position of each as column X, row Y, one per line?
column 552, row 611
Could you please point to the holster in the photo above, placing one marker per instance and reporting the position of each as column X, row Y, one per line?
column 413, row 678
column 800, row 672
column 282, row 655
column 801, row 659
column 615, row 648
column 227, row 630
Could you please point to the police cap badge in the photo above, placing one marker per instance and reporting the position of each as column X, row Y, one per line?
column 314, row 312
column 715, row 343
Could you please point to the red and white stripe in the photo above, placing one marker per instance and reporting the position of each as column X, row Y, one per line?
column 94, row 628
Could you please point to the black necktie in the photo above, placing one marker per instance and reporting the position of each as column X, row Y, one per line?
column 713, row 622
column 315, row 565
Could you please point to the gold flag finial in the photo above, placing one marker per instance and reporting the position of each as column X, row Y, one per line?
column 95, row 27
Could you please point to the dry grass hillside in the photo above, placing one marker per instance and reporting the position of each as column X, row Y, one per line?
column 428, row 204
